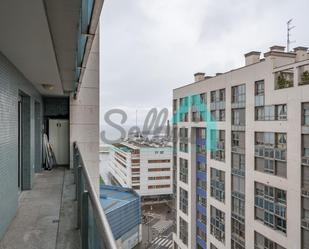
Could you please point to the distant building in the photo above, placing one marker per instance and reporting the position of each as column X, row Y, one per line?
column 145, row 166
column 123, row 211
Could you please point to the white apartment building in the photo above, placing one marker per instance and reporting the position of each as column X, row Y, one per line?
column 241, row 155
column 146, row 167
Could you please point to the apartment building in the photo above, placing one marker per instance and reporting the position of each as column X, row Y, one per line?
column 241, row 173
column 143, row 166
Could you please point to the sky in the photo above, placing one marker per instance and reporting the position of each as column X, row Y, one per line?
column 150, row 47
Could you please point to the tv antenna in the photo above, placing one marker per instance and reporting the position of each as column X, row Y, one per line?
column 289, row 28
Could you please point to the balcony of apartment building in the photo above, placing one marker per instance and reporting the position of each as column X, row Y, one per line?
column 49, row 83
column 271, row 145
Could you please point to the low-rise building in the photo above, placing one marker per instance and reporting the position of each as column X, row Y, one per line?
column 123, row 211
column 143, row 166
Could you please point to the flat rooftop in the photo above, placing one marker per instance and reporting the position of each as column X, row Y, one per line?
column 113, row 197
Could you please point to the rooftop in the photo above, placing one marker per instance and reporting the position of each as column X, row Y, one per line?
column 113, row 197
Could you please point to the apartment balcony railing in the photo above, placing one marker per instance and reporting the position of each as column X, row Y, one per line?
column 94, row 228
column 305, row 223
column 238, row 172
column 275, row 153
column 219, row 105
column 239, row 104
column 304, row 76
column 237, row 149
column 238, row 127
column 240, row 240
column 305, row 192
column 238, row 195
column 305, row 161
column 259, row 100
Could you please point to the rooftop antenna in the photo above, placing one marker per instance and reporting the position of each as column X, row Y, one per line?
column 289, row 28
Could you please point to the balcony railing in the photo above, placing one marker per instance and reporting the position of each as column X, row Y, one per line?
column 218, row 105
column 305, row 161
column 305, row 223
column 94, row 228
column 269, row 152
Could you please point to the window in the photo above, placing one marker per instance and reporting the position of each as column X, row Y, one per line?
column 270, row 206
column 183, row 147
column 200, row 233
column 183, row 200
column 238, row 206
column 221, row 115
column 239, row 94
column 271, row 112
column 259, row 88
column 239, row 117
column 201, row 184
column 271, row 146
column 238, row 162
column 238, row 184
column 183, row 172
column 222, row 94
column 201, row 217
column 157, row 169
column 262, row 242
column 213, row 96
column 183, row 132
column 201, row 166
column 159, row 186
column 281, row 112
column 201, row 133
column 238, row 139
column 217, row 185
column 305, row 145
column 238, row 229
column 183, row 231
column 201, row 200
column 217, row 224
column 218, row 145
column 212, row 246
column 284, row 79
column 159, row 161
column 217, row 107
column 304, row 238
column 305, row 113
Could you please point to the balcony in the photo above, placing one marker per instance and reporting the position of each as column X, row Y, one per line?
column 284, row 79
column 238, row 172
column 305, row 161
column 238, row 149
column 218, row 105
column 61, row 211
column 270, row 152
column 305, row 223
column 304, row 75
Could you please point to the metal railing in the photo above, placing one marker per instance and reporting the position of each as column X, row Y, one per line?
column 94, row 228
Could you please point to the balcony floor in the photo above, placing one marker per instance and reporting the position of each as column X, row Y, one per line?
column 46, row 217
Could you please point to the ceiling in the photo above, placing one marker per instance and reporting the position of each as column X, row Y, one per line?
column 39, row 38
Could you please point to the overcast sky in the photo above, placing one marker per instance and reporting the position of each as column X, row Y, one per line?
column 149, row 47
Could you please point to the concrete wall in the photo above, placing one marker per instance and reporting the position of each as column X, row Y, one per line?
column 84, row 115
column 11, row 82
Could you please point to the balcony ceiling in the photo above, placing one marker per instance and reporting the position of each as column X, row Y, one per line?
column 39, row 38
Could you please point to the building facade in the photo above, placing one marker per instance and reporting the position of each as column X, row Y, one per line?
column 241, row 142
column 122, row 207
column 143, row 166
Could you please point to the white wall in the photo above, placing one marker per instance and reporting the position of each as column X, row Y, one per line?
column 84, row 115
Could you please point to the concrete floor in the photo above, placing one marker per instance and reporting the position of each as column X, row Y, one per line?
column 46, row 217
